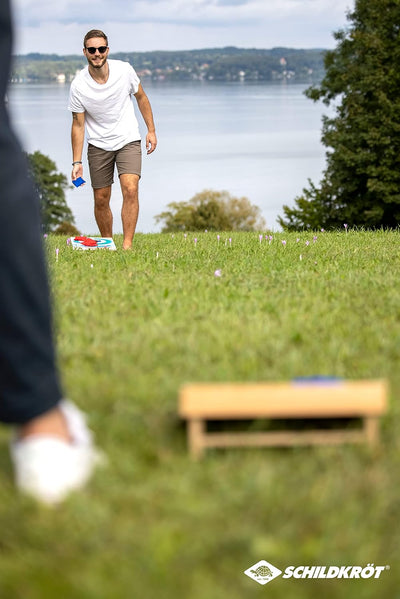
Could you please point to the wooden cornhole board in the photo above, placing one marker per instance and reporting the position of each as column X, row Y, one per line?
column 99, row 243
column 202, row 402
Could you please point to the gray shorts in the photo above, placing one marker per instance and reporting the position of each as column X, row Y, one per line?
column 102, row 163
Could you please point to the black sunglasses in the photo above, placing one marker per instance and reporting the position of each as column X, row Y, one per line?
column 101, row 49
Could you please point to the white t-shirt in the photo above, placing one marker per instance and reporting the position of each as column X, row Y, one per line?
column 109, row 114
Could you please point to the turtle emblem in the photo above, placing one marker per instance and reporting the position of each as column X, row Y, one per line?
column 262, row 572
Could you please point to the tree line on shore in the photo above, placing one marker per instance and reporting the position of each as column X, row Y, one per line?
column 215, row 64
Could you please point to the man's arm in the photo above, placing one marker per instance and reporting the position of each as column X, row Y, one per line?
column 147, row 114
column 77, row 139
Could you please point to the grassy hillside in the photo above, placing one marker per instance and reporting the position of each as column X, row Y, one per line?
column 132, row 328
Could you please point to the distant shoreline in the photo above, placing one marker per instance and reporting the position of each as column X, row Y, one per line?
column 228, row 64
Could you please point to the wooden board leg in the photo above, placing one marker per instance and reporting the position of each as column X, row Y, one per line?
column 196, row 433
column 371, row 429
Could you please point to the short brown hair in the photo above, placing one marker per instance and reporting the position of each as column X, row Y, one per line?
column 94, row 33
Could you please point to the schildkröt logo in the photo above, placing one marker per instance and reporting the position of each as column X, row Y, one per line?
column 263, row 572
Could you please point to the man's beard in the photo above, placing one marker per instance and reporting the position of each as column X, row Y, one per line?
column 97, row 65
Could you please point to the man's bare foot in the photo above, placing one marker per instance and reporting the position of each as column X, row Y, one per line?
column 126, row 246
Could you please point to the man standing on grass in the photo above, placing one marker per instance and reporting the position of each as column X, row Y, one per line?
column 100, row 98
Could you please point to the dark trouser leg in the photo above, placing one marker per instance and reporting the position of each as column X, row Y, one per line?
column 29, row 384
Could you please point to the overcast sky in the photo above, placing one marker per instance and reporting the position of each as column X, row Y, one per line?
column 58, row 26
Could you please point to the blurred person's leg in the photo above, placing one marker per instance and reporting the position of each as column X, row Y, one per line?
column 52, row 451
column 28, row 380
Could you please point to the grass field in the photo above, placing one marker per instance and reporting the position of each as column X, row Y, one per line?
column 132, row 327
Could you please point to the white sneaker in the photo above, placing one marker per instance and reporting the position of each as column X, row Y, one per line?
column 49, row 468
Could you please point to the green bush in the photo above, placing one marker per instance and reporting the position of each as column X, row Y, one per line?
column 214, row 211
column 66, row 228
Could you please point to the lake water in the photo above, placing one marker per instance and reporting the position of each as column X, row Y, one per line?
column 261, row 141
